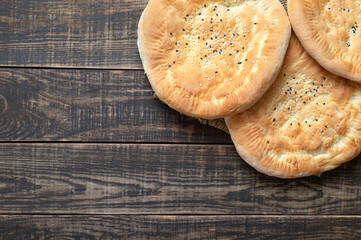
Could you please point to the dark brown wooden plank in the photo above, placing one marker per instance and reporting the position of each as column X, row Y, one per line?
column 91, row 105
column 179, row 227
column 82, row 33
column 162, row 179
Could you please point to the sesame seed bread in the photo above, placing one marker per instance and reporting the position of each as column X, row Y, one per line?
column 329, row 31
column 308, row 122
column 210, row 59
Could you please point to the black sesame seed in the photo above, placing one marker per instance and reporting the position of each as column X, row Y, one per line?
column 285, row 92
column 177, row 50
column 228, row 9
column 187, row 15
column 299, row 124
column 242, row 47
column 201, row 58
column 274, row 119
column 169, row 65
column 205, row 5
column 255, row 23
column 230, row 54
column 216, row 71
column 294, row 77
column 202, row 19
column 205, row 55
column 171, row 34
column 199, row 37
column 237, row 51
column 304, row 102
column 324, row 103
column 289, row 108
column 284, row 74
column 220, row 20
column 309, row 125
column 183, row 29
column 274, row 108
column 186, row 43
column 245, row 59
column 291, row 124
column 325, row 126
column 199, row 13
column 239, row 62
column 268, row 142
column 173, row 62
column 305, row 121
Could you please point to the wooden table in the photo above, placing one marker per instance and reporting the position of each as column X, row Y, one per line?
column 88, row 153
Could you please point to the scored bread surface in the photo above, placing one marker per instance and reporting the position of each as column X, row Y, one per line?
column 210, row 59
column 329, row 31
column 308, row 122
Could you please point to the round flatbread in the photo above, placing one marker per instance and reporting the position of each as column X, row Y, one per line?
column 308, row 122
column 329, row 31
column 209, row 59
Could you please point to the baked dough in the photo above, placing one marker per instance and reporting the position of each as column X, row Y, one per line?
column 308, row 122
column 210, row 59
column 329, row 31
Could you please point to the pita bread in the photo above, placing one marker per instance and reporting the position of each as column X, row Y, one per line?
column 210, row 59
column 308, row 122
column 329, row 31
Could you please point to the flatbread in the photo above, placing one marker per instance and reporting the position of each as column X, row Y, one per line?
column 329, row 31
column 308, row 122
column 210, row 59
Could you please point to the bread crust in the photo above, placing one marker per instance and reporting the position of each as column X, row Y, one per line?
column 217, row 66
column 328, row 30
column 308, row 122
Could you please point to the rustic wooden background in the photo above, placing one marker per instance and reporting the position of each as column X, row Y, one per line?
column 86, row 152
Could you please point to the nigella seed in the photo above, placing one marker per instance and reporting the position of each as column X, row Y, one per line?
column 205, row 5
column 220, row 20
column 199, row 13
column 239, row 62
column 187, row 15
column 199, row 37
column 245, row 59
column 230, row 54
column 299, row 124
column 284, row 74
column 268, row 142
column 171, row 34
column 291, row 124
column 177, row 50
column 255, row 23
column 186, row 43
column 289, row 108
column 274, row 109
column 169, row 65
column 305, row 121
column 173, row 62
column 325, row 126
column 228, row 10
column 237, row 51
column 309, row 125
column 216, row 71
column 324, row 103
column 274, row 120
column 183, row 29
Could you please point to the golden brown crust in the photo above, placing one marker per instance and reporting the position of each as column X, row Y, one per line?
column 211, row 59
column 308, row 122
column 329, row 31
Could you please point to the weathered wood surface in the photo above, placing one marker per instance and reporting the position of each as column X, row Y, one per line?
column 68, row 33
column 161, row 179
column 91, row 105
column 179, row 227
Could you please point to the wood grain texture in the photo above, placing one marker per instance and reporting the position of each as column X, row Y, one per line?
column 161, row 179
column 82, row 33
column 179, row 227
column 91, row 105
